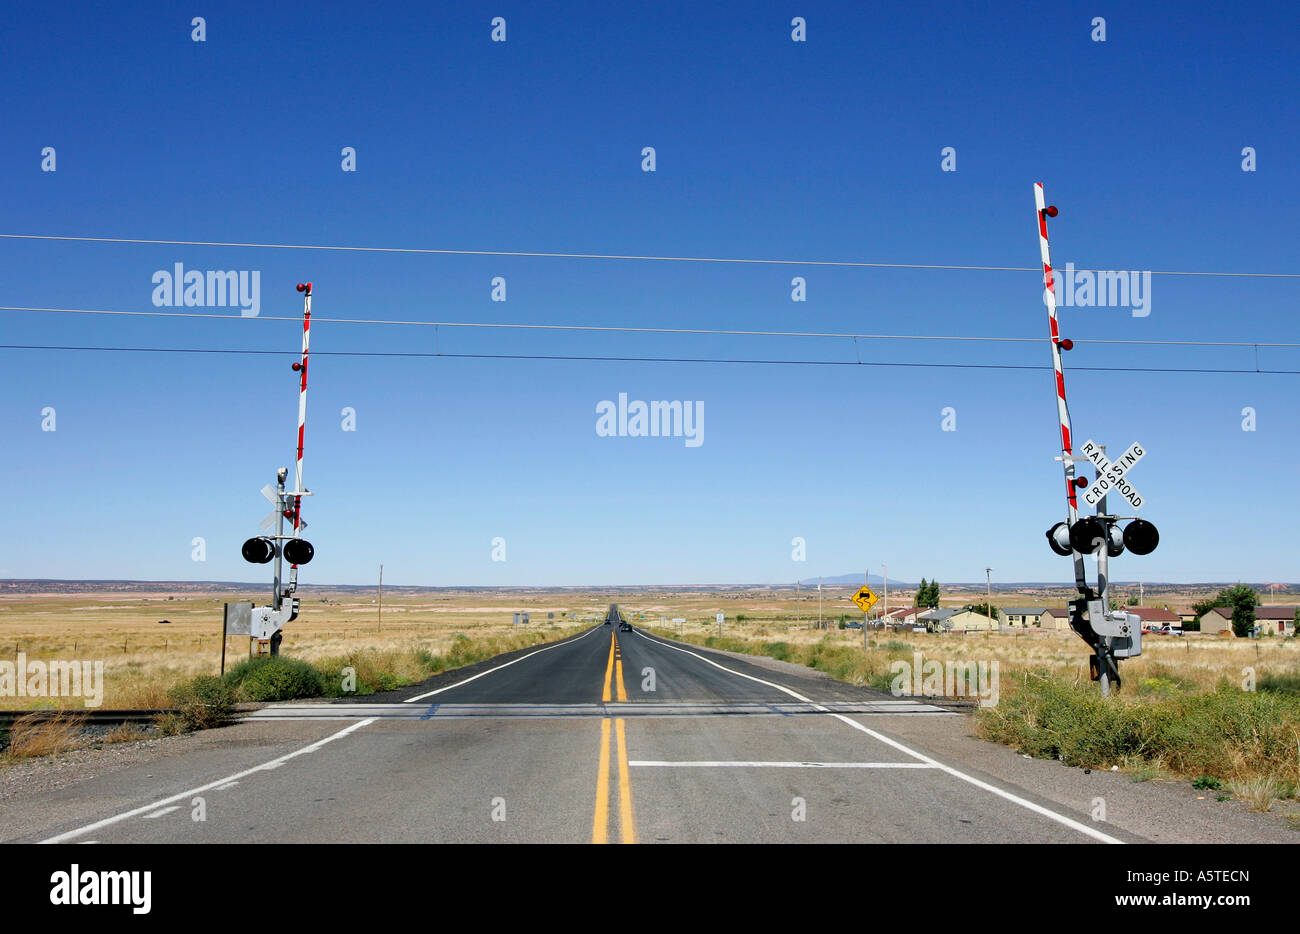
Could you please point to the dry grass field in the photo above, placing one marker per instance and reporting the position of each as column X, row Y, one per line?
column 143, row 656
column 1175, row 718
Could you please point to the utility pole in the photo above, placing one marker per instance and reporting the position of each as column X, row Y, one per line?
column 885, row 579
column 381, row 598
column 988, row 598
column 867, row 582
column 819, row 602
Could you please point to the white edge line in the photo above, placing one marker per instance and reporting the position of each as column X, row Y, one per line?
column 174, row 807
column 553, row 645
column 274, row 763
column 955, row 773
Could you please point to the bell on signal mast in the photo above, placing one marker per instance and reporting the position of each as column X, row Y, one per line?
column 1058, row 537
column 1114, row 541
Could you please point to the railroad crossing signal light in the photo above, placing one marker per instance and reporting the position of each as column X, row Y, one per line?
column 258, row 550
column 1085, row 533
column 1058, row 537
column 1141, row 537
column 298, row 551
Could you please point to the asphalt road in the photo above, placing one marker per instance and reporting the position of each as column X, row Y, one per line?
column 606, row 737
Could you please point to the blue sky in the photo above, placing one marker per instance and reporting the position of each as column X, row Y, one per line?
column 828, row 149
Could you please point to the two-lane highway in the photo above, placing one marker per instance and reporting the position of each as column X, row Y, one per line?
column 606, row 737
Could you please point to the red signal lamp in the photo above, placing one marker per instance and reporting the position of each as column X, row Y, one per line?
column 1050, row 210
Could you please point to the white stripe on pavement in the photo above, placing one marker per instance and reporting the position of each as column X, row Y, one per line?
column 555, row 645
column 157, row 814
column 274, row 763
column 955, row 773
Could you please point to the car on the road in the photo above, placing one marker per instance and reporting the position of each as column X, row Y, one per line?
column 624, row 626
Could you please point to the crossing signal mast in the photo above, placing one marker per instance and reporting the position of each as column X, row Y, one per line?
column 1113, row 635
column 267, row 621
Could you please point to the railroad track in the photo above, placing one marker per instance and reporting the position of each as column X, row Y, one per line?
column 89, row 715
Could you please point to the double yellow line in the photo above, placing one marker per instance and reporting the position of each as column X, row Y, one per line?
column 626, row 821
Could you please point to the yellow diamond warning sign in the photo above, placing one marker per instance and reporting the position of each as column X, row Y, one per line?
column 865, row 598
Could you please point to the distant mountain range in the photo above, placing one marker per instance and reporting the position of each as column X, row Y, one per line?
column 854, row 580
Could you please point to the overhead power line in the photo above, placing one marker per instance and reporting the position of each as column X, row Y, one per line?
column 662, row 259
column 642, row 359
column 626, row 329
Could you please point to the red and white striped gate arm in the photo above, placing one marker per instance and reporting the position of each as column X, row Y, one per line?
column 305, row 288
column 1049, row 299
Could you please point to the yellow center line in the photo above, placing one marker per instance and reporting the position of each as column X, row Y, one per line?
column 609, row 671
column 626, row 821
column 622, row 691
column 600, row 822
column 626, row 818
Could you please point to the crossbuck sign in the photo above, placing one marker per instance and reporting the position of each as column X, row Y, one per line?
column 1112, row 476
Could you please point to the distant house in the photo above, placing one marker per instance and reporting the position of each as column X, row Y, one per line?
column 900, row 616
column 1055, row 618
column 1217, row 620
column 954, row 620
column 908, row 616
column 1156, row 617
column 1187, row 615
column 1279, row 620
column 1022, row 617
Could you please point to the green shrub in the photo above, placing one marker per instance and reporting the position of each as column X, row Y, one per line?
column 1218, row 735
column 274, row 678
column 1288, row 683
column 201, row 703
column 368, row 671
column 778, row 650
column 1207, row 783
